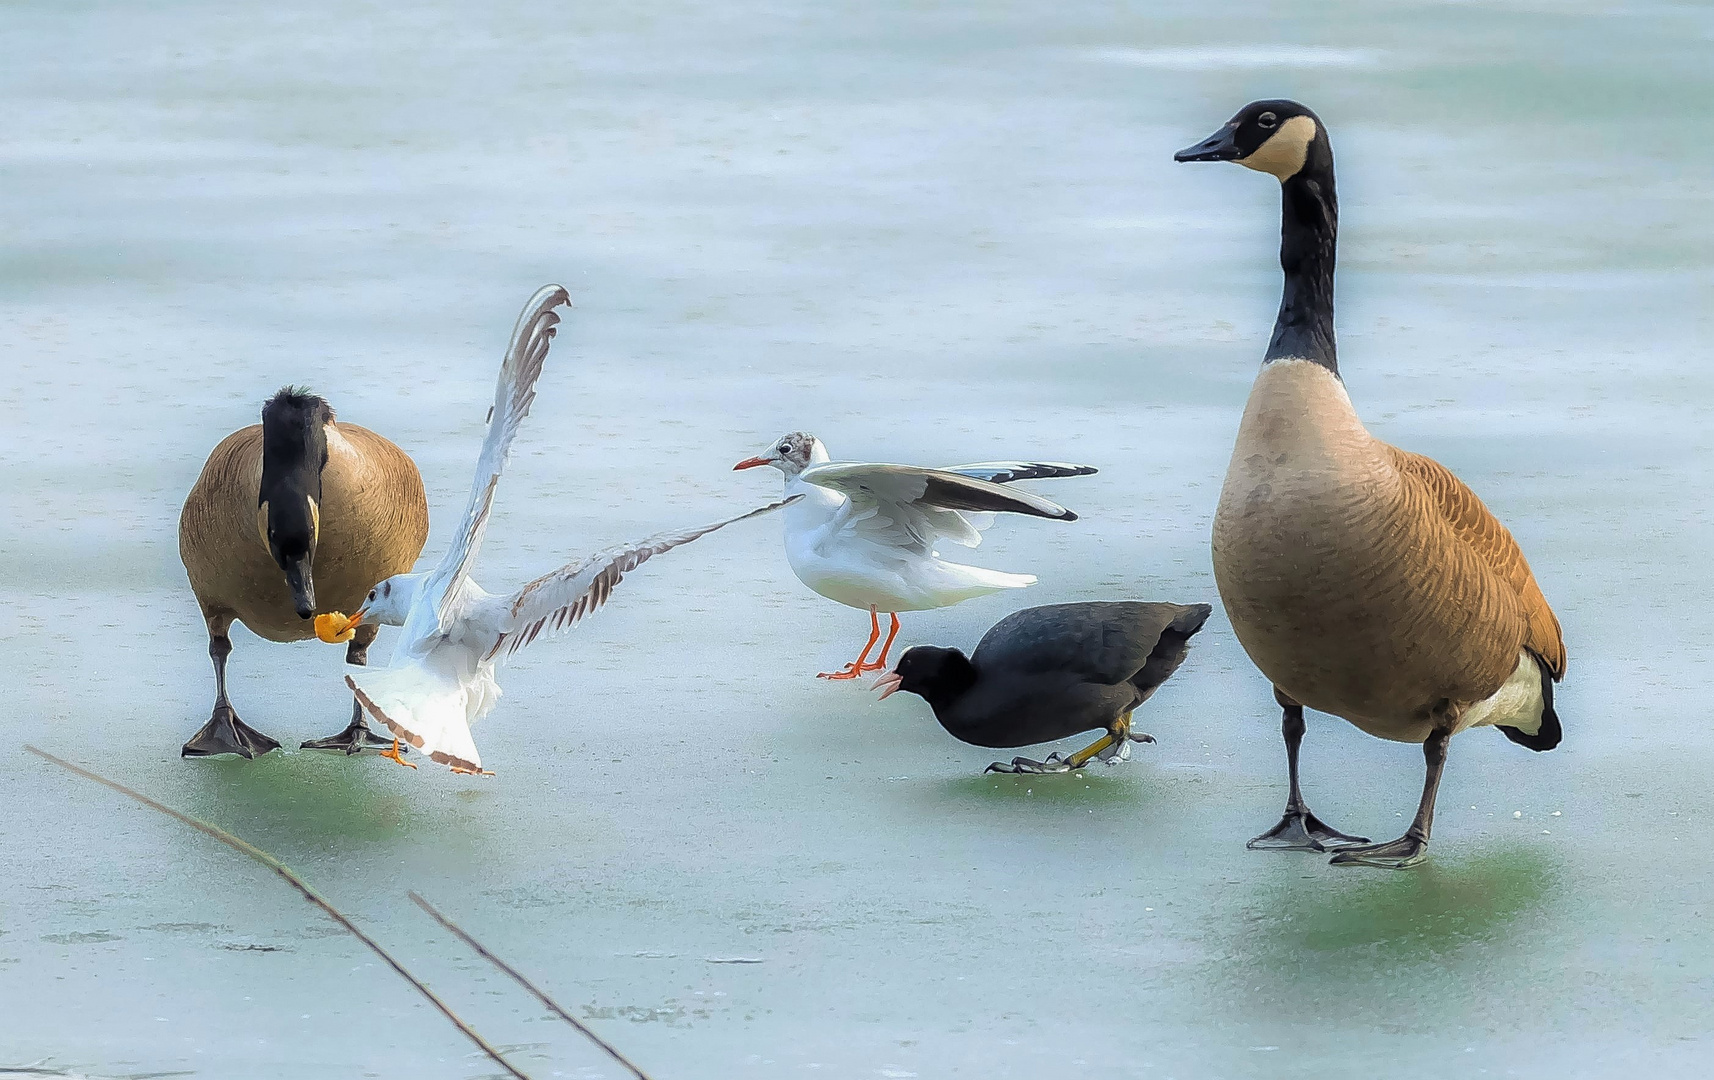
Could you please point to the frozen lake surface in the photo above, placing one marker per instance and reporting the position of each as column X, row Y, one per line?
column 935, row 233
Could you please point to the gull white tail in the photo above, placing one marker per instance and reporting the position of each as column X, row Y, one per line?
column 422, row 706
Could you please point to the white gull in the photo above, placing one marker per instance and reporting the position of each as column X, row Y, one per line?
column 864, row 534
column 441, row 677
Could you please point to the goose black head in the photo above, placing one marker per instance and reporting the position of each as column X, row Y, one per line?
column 938, row 676
column 288, row 506
column 1274, row 136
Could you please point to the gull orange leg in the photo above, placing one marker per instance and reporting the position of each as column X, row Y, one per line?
column 881, row 663
column 857, row 666
column 393, row 755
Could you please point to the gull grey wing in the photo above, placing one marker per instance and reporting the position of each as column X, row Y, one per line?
column 1007, row 472
column 559, row 599
column 935, row 488
column 513, row 392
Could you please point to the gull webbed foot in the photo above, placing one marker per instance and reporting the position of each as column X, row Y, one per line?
column 1300, row 830
column 226, row 734
column 394, row 755
column 850, row 671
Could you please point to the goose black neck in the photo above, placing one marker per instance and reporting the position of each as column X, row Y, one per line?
column 1309, row 233
column 294, row 447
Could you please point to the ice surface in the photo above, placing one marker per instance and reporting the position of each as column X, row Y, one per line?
column 930, row 232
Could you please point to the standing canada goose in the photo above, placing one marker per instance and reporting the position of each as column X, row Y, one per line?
column 295, row 510
column 1363, row 580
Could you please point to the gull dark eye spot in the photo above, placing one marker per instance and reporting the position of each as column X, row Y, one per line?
column 1266, row 121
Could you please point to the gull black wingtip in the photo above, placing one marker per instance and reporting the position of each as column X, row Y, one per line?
column 1220, row 146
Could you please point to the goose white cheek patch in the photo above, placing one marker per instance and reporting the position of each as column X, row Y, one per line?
column 1284, row 153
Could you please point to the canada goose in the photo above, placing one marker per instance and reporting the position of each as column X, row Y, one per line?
column 295, row 510
column 864, row 534
column 1363, row 580
column 1048, row 673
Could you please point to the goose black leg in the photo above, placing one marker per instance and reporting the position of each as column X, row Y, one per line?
column 225, row 733
column 1412, row 847
column 356, row 737
column 1298, row 830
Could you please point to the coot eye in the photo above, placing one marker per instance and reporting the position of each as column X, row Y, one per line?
column 1267, row 120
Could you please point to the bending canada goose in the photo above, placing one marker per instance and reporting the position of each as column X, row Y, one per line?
column 288, row 512
column 1364, row 581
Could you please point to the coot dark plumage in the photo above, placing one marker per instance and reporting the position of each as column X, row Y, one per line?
column 1050, row 672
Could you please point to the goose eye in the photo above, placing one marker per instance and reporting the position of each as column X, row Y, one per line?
column 1267, row 121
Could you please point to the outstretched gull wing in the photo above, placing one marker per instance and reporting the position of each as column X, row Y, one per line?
column 559, row 599
column 935, row 488
column 513, row 393
column 1006, row 472
column 910, row 508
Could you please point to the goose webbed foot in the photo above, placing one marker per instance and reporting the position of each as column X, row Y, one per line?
column 356, row 738
column 1400, row 854
column 226, row 734
column 1300, row 830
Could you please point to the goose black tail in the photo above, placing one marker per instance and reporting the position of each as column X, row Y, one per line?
column 1547, row 736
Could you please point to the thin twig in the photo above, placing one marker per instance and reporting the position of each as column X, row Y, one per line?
column 297, row 883
column 541, row 995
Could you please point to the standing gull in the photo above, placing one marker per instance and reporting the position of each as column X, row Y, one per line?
column 441, row 678
column 864, row 534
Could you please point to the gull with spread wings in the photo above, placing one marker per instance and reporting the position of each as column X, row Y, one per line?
column 864, row 534
column 441, row 679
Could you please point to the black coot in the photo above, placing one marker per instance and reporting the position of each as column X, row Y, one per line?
column 1047, row 673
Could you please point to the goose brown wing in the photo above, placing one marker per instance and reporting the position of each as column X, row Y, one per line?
column 1474, row 524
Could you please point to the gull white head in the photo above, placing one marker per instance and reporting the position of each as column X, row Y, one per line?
column 791, row 454
column 389, row 603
